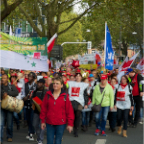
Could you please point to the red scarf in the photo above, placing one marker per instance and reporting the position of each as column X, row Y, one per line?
column 123, row 86
column 112, row 86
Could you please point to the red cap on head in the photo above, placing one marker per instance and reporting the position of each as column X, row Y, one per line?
column 45, row 77
column 103, row 77
column 64, row 75
column 68, row 74
column 78, row 71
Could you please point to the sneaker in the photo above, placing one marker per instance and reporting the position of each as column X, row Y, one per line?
column 97, row 132
column 103, row 133
column 31, row 137
column 27, row 137
column 9, row 139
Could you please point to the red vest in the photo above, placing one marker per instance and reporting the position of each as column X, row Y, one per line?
column 135, row 91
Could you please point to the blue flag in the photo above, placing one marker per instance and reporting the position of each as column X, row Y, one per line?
column 109, row 53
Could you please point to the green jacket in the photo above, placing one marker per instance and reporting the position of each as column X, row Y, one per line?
column 108, row 99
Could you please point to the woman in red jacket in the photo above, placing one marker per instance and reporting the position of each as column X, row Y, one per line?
column 56, row 112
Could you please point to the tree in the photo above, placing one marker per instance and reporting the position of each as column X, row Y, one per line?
column 72, row 35
column 7, row 9
column 52, row 10
column 121, row 16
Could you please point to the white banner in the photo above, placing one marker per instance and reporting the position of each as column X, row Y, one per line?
column 10, row 59
column 86, row 58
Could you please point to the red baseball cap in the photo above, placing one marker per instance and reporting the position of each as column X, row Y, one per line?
column 103, row 77
column 68, row 74
column 45, row 77
column 64, row 75
column 78, row 71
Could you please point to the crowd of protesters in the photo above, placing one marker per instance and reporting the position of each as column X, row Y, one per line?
column 68, row 96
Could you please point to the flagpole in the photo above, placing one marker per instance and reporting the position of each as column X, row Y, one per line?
column 135, row 58
column 105, row 44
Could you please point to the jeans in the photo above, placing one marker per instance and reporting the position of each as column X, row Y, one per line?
column 137, row 102
column 16, row 118
column 112, row 119
column 37, row 127
column 100, row 124
column 29, row 113
column 122, row 115
column 55, row 130
column 85, row 118
column 9, row 120
column 141, row 112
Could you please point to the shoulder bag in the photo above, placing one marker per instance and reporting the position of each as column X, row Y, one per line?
column 97, row 108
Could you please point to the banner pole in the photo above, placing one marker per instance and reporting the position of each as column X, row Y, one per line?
column 105, row 45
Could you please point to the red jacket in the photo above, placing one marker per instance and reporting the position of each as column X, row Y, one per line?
column 57, row 112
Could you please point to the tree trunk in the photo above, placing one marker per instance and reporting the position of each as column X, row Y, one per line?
column 125, row 46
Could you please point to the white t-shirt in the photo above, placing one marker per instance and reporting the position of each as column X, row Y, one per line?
column 76, row 91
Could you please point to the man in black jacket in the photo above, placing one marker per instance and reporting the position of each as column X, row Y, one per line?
column 30, row 86
column 38, row 93
column 11, row 90
column 135, row 83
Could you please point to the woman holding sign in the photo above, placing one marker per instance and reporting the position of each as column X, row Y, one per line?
column 77, row 98
column 124, row 104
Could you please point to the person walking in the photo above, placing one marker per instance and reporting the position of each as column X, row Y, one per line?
column 30, row 86
column 124, row 104
column 77, row 98
column 11, row 90
column 38, row 94
column 136, row 92
column 113, row 113
column 103, row 91
column 56, row 112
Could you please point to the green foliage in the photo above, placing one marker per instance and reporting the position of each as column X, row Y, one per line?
column 120, row 15
column 72, row 35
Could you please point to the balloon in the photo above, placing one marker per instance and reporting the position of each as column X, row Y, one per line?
column 75, row 63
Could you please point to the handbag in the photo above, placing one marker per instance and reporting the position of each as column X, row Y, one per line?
column 97, row 108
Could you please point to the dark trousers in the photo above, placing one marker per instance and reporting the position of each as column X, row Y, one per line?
column 138, row 104
column 55, row 130
column 91, row 116
column 29, row 114
column 9, row 120
column 85, row 118
column 37, row 127
column 122, row 115
column 77, row 114
column 112, row 119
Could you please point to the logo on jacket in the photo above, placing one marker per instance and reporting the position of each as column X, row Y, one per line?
column 75, row 91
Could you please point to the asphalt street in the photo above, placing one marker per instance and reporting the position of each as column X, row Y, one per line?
column 135, row 136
